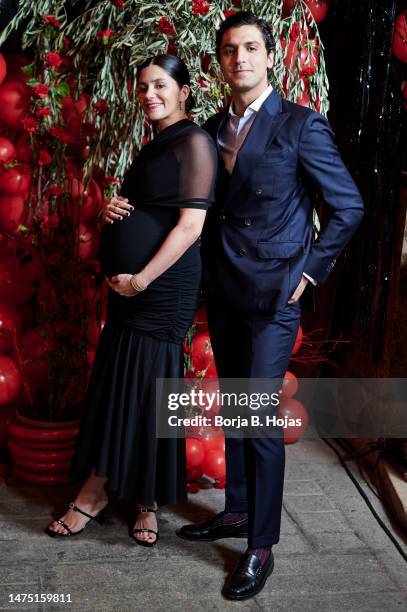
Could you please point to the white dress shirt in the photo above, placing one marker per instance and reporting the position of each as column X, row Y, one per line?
column 234, row 132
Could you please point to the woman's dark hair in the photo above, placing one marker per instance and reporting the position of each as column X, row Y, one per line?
column 175, row 68
column 243, row 18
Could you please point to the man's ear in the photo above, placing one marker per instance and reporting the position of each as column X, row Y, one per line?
column 270, row 59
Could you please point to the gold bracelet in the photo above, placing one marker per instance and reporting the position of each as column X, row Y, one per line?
column 136, row 286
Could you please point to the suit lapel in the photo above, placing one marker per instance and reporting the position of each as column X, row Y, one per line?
column 264, row 129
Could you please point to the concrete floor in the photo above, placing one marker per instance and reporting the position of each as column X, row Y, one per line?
column 332, row 556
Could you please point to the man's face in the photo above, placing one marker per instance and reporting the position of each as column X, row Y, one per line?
column 243, row 58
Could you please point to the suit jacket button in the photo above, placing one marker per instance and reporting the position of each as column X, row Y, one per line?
column 222, row 217
column 248, row 222
column 242, row 252
column 259, row 192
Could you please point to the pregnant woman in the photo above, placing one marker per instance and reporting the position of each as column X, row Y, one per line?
column 152, row 262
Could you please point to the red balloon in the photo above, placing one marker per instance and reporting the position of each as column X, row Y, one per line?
column 88, row 241
column 89, row 200
column 12, row 212
column 10, row 326
column 14, row 103
column 15, row 62
column 72, row 112
column 318, row 8
column 16, row 180
column 194, row 473
column 7, row 150
column 200, row 317
column 211, row 406
column 17, row 283
column 307, row 58
column 298, row 341
column 400, row 37
column 213, row 442
column 3, row 68
column 194, row 451
column 10, row 380
column 293, row 409
column 202, row 354
column 290, row 385
column 288, row 6
column 213, row 464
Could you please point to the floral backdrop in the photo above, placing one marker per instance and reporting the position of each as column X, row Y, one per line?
column 70, row 125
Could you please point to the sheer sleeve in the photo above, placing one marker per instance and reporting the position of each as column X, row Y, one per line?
column 197, row 157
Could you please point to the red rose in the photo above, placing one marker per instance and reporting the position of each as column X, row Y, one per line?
column 119, row 3
column 165, row 26
column 101, row 107
column 200, row 7
column 66, row 41
column 50, row 20
column 307, row 71
column 53, row 191
column 229, row 12
column 202, row 82
column 53, row 60
column 44, row 158
column 41, row 91
column 29, row 124
column 104, row 36
column 61, row 134
column 43, row 112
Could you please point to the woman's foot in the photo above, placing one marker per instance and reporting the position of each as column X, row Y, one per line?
column 77, row 521
column 145, row 520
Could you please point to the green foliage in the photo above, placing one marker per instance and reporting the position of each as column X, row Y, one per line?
column 106, row 66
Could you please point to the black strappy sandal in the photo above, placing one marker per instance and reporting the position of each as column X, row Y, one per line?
column 99, row 518
column 145, row 530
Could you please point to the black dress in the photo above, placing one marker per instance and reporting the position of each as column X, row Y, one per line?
column 143, row 335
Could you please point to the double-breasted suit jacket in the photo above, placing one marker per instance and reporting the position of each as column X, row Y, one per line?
column 258, row 239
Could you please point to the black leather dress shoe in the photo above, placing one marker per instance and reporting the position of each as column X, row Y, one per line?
column 214, row 529
column 249, row 577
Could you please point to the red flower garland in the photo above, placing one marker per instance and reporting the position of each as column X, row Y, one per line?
column 165, row 26
column 41, row 91
column 200, row 7
column 53, row 60
column 51, row 20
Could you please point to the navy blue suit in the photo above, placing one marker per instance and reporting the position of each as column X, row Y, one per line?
column 257, row 242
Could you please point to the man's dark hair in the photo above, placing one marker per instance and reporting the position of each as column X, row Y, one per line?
column 243, row 18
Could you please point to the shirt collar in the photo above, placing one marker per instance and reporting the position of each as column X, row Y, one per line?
column 255, row 106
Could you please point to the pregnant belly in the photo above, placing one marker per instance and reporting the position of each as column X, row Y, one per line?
column 126, row 246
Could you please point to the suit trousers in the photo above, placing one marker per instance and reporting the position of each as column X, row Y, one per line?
column 254, row 345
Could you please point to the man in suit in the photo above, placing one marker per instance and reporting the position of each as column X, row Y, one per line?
column 259, row 255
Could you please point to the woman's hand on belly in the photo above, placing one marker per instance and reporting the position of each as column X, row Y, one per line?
column 116, row 209
column 121, row 284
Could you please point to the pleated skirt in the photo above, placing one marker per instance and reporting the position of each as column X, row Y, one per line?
column 117, row 436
